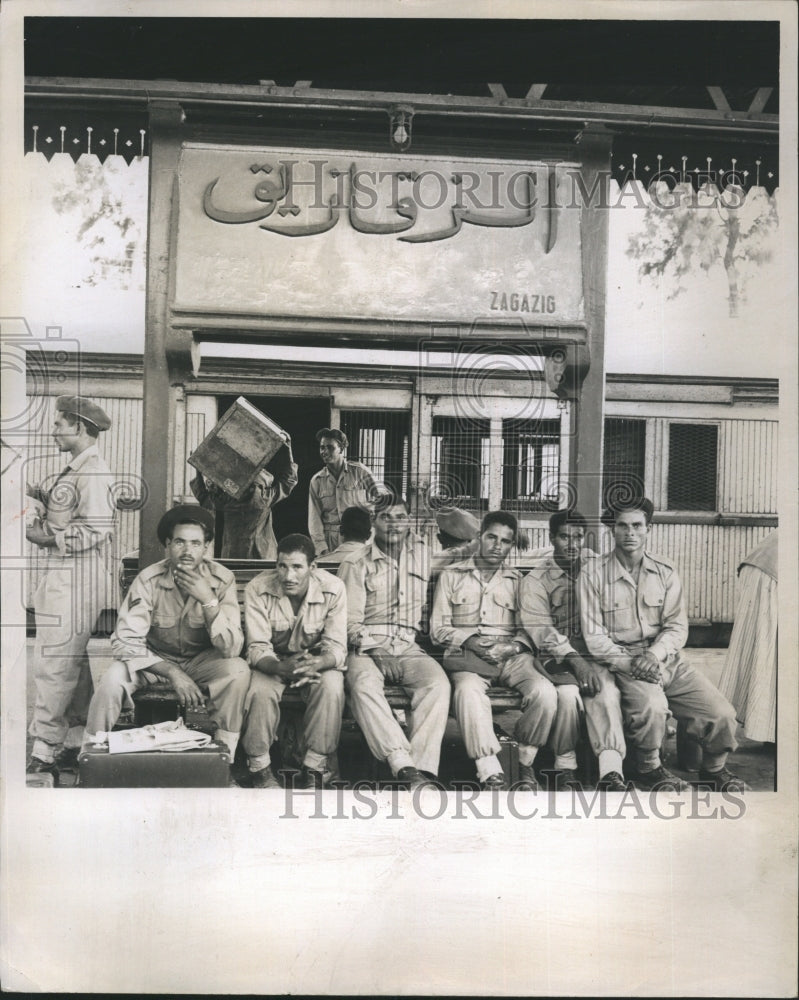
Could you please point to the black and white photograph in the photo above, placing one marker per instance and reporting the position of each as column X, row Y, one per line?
column 399, row 486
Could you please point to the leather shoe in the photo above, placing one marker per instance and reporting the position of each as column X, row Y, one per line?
column 38, row 766
column 412, row 777
column 264, row 778
column 659, row 780
column 612, row 782
column 722, row 781
column 309, row 778
column 494, row 783
column 527, row 780
column 67, row 760
column 564, row 781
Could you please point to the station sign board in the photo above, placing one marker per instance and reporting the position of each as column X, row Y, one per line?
column 302, row 233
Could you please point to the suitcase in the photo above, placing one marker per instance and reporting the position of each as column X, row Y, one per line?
column 205, row 768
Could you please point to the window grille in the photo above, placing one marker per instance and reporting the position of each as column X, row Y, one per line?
column 530, row 464
column 624, row 457
column 460, row 460
column 380, row 440
column 693, row 463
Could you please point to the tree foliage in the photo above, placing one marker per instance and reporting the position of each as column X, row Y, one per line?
column 684, row 230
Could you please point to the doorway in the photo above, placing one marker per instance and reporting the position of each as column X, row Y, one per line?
column 301, row 417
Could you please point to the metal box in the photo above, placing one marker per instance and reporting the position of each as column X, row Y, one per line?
column 238, row 447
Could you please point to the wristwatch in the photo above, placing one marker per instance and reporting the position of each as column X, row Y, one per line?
column 213, row 603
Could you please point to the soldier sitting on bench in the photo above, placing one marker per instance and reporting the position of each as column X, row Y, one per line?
column 296, row 621
column 181, row 621
column 634, row 622
column 475, row 616
column 386, row 597
column 551, row 617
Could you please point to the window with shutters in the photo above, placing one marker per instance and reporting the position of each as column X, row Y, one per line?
column 624, row 458
column 693, row 466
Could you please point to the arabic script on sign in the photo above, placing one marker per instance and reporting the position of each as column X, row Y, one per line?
column 308, row 197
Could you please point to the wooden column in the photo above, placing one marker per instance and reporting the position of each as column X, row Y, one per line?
column 585, row 459
column 158, row 430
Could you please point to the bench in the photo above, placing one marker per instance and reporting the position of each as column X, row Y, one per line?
column 162, row 693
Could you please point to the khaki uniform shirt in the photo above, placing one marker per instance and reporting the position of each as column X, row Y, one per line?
column 80, row 509
column 620, row 617
column 549, row 609
column 329, row 497
column 273, row 629
column 385, row 597
column 155, row 623
column 465, row 605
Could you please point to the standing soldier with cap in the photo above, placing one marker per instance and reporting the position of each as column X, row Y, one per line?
column 634, row 622
column 180, row 620
column 75, row 530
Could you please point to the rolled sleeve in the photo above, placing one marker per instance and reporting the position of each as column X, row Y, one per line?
column 257, row 626
column 129, row 641
column 286, row 480
column 536, row 619
column 595, row 634
column 442, row 631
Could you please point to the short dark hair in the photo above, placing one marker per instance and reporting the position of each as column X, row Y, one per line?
column 297, row 543
column 207, row 534
column 74, row 418
column 356, row 525
column 503, row 517
column 567, row 516
column 334, row 434
column 385, row 501
column 616, row 507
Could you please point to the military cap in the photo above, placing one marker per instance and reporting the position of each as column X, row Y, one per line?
column 631, row 503
column 85, row 409
column 458, row 523
column 184, row 512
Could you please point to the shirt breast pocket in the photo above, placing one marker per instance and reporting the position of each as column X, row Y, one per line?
column 619, row 615
column 505, row 608
column 312, row 625
column 653, row 597
column 161, row 620
column 163, row 629
column 326, row 494
column 465, row 608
